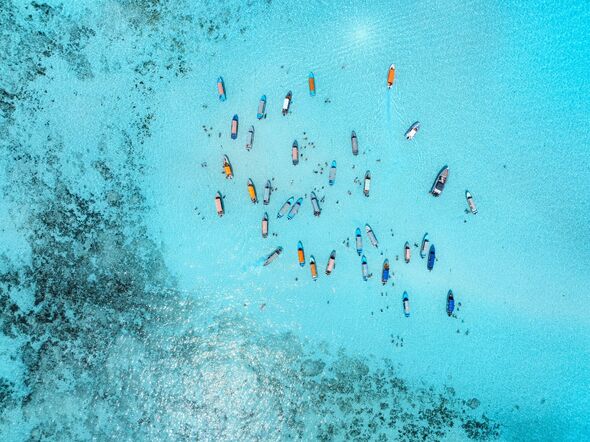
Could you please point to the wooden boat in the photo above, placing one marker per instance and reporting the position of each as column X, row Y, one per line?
column 331, row 263
column 313, row 268
column 250, row 139
column 391, row 76
column 358, row 241
column 450, row 303
column 332, row 174
column 364, row 268
column 431, row 257
column 300, row 254
column 287, row 103
column 219, row 204
column 267, row 192
column 385, row 272
column 221, row 89
column 439, row 183
column 261, row 108
column 234, row 127
column 406, row 304
column 265, row 225
column 274, row 255
column 315, row 204
column 295, row 209
column 424, row 247
column 252, row 191
column 227, row 169
column 311, row 82
column 285, row 207
column 407, row 252
column 371, row 235
column 367, row 184
column 470, row 202
column 355, row 143
column 295, row 153
column 413, row 130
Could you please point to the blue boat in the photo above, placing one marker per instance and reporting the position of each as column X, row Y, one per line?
column 431, row 257
column 261, row 108
column 406, row 304
column 385, row 273
column 221, row 89
column 364, row 268
column 234, row 127
column 450, row 303
column 359, row 241
column 295, row 209
column 332, row 175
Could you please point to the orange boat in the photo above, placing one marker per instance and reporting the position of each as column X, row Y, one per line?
column 252, row 191
column 219, row 204
column 313, row 268
column 391, row 76
column 311, row 82
column 300, row 254
column 227, row 169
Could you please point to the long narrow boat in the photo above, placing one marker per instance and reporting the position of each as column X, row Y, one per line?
column 439, row 183
column 385, row 272
column 250, row 140
column 431, row 257
column 412, row 131
column 311, row 83
column 287, row 102
column 391, row 76
column 358, row 241
column 274, row 255
column 234, row 127
column 355, row 143
column 406, row 304
column 331, row 263
column 267, row 192
column 424, row 247
column 470, row 202
column 227, row 169
column 219, row 204
column 332, row 174
column 265, row 225
column 371, row 235
column 315, row 204
column 407, row 252
column 367, row 183
column 313, row 268
column 261, row 108
column 285, row 207
column 295, row 153
column 300, row 254
column 364, row 268
column 450, row 303
column 221, row 89
column 252, row 191
column 295, row 209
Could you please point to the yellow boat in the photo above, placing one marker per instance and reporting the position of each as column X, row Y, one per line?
column 252, row 191
column 227, row 169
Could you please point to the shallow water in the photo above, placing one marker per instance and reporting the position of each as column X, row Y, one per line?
column 130, row 311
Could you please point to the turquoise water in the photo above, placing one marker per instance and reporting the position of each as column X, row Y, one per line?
column 130, row 311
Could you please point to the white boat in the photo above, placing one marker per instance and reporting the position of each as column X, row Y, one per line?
column 355, row 143
column 285, row 207
column 367, row 184
column 371, row 235
column 425, row 245
column 267, row 192
column 265, row 225
column 287, row 103
column 219, row 204
column 315, row 204
column 274, row 255
column 331, row 263
column 250, row 140
column 470, row 202
column 413, row 130
column 439, row 183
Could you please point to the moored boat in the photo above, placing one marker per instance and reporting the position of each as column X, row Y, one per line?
column 227, row 169
column 431, row 257
column 412, row 131
column 250, row 140
column 355, row 143
column 331, row 263
column 371, row 235
column 311, row 83
column 267, row 192
column 287, row 103
column 332, row 174
column 274, row 255
column 252, row 191
column 406, row 304
column 234, row 127
column 219, row 204
column 315, row 204
column 285, row 207
column 313, row 268
column 470, row 202
column 407, row 252
column 450, row 303
column 390, row 76
column 367, row 183
column 295, row 209
column 221, row 89
column 439, row 183
column 358, row 241
column 295, row 153
column 300, row 254
column 261, row 108
column 385, row 272
column 424, row 247
column 265, row 225
column 364, row 268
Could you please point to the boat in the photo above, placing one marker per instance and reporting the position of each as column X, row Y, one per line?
column 391, row 76
column 355, row 143
column 407, row 252
column 234, row 127
column 424, row 247
column 413, row 130
column 252, row 191
column 267, row 192
column 313, row 267
column 315, row 204
column 219, row 204
column 265, row 225
column 332, row 174
column 287, row 103
column 431, row 257
column 364, row 268
column 295, row 209
column 221, row 89
column 359, row 241
column 331, row 263
column 261, row 108
column 295, row 153
column 371, row 235
column 385, row 272
column 285, row 207
column 250, row 140
column 367, row 184
column 406, row 304
column 470, row 202
column 439, row 183
column 300, row 254
column 227, row 169
column 274, row 255
column 450, row 303
column 311, row 82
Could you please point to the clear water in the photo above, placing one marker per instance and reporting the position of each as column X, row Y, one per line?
column 130, row 311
